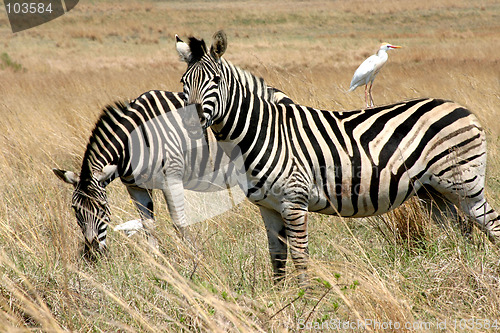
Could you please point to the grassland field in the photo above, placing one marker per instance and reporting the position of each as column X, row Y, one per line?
column 398, row 268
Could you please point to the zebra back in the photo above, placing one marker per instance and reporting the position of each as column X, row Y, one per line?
column 354, row 163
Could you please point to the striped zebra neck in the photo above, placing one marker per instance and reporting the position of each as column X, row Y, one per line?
column 250, row 83
column 245, row 89
column 356, row 163
column 112, row 139
column 100, row 151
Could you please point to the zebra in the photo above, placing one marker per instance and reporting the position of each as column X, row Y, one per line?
column 146, row 144
column 352, row 164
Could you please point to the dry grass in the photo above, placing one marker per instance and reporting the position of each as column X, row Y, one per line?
column 360, row 269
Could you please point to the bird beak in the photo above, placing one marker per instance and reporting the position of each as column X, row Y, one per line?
column 395, row 47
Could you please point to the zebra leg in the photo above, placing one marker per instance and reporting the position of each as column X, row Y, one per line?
column 459, row 176
column 442, row 210
column 295, row 216
column 144, row 202
column 485, row 216
column 174, row 196
column 276, row 237
column 469, row 197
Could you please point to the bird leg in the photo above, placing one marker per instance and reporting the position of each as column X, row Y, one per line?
column 366, row 97
column 370, row 93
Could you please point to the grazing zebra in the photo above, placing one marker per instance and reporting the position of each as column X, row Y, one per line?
column 353, row 164
column 149, row 145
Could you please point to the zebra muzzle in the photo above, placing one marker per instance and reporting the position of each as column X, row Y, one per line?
column 204, row 120
column 191, row 121
column 92, row 251
column 199, row 110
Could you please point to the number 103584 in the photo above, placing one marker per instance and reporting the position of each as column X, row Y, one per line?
column 28, row 8
column 476, row 324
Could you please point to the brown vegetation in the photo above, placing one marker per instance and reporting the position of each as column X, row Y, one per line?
column 103, row 51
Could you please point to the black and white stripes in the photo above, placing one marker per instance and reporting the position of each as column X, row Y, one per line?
column 353, row 163
column 154, row 142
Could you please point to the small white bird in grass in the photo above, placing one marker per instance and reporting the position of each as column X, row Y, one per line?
column 130, row 227
column 367, row 71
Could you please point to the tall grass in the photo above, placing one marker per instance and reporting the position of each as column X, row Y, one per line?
column 401, row 267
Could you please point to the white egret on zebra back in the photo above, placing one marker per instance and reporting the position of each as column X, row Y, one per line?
column 352, row 163
column 368, row 70
column 147, row 145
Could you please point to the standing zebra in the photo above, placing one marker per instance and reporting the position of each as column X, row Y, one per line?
column 149, row 145
column 353, row 164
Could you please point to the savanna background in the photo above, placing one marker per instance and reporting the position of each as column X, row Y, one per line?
column 400, row 267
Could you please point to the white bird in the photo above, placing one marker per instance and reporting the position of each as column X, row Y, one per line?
column 130, row 227
column 367, row 71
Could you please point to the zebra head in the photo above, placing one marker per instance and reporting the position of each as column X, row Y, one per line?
column 204, row 82
column 91, row 208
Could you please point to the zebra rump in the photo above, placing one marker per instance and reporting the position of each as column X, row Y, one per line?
column 351, row 163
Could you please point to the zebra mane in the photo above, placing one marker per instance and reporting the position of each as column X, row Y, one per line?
column 251, row 82
column 109, row 117
column 198, row 49
column 257, row 85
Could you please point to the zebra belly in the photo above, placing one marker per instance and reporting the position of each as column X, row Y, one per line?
column 361, row 204
column 148, row 180
column 375, row 192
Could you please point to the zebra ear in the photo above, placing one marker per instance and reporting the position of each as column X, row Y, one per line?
column 106, row 173
column 183, row 50
column 67, row 176
column 219, row 44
